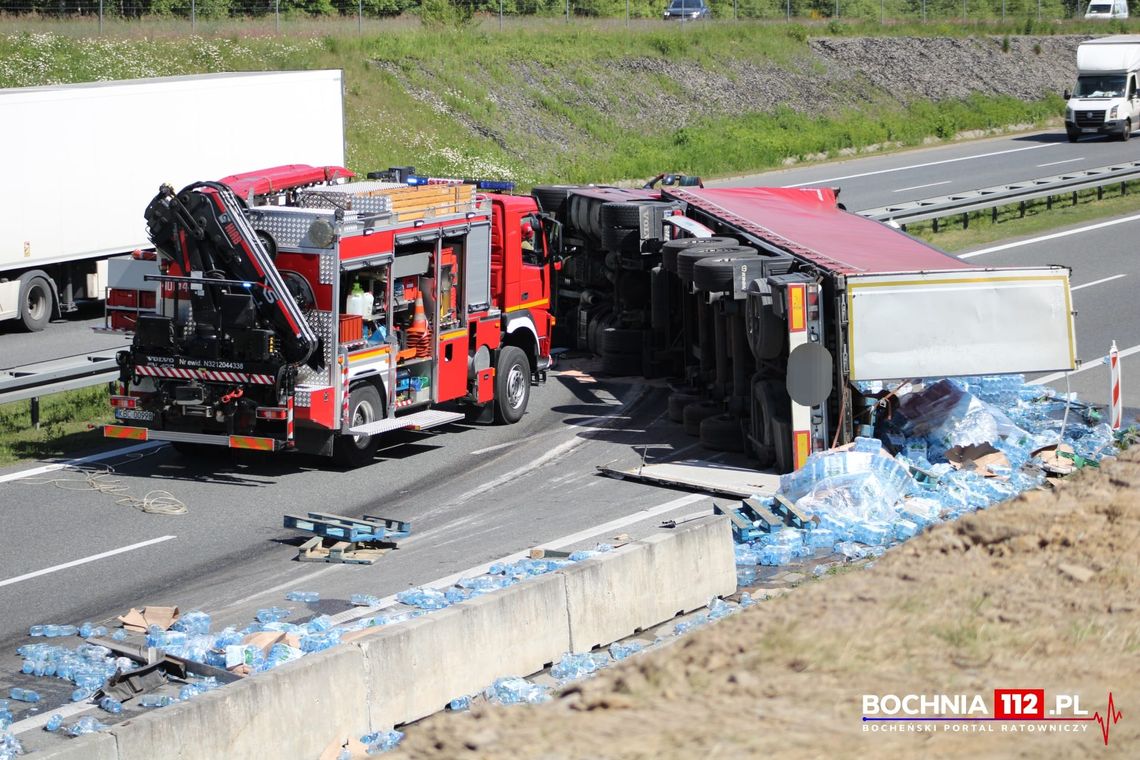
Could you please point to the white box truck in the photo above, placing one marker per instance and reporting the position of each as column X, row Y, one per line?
column 83, row 159
column 1105, row 100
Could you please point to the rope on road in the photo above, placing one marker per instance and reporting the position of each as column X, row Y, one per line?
column 101, row 479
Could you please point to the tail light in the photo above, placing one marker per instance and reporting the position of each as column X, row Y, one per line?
column 272, row 413
column 124, row 402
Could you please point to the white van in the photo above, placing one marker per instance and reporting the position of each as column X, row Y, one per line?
column 1106, row 99
column 1107, row 9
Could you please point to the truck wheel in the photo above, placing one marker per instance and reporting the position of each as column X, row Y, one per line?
column 618, row 340
column 512, row 385
column 1072, row 135
column 670, row 249
column 687, row 260
column 722, row 433
column 715, row 275
column 552, row 198
column 364, row 406
column 35, row 302
column 694, row 414
column 622, row 365
column 677, row 403
column 1126, row 135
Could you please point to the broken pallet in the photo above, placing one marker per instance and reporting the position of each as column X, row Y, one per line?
column 347, row 552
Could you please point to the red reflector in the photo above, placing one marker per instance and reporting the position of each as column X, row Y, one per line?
column 124, row 402
column 251, row 442
column 272, row 412
column 122, row 431
column 148, row 255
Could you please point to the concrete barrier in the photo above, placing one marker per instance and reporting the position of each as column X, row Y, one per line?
column 406, row 671
column 416, row 668
column 98, row 746
column 647, row 582
column 293, row 711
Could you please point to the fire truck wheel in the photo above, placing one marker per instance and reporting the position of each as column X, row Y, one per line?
column 35, row 302
column 364, row 406
column 694, row 414
column 677, row 403
column 512, row 385
column 671, row 248
column 722, row 433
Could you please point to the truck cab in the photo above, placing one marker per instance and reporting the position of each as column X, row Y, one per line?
column 1105, row 99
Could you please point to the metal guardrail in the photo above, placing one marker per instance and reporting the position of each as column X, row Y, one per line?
column 35, row 380
column 1002, row 195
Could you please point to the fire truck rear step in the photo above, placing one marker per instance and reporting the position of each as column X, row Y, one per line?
column 417, row 421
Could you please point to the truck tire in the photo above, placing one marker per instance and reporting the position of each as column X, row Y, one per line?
column 364, row 406
column 35, row 301
column 621, row 239
column 771, row 425
column 715, row 275
column 694, row 414
column 512, row 385
column 722, row 433
column 617, row 340
column 686, row 260
column 677, row 403
column 1126, row 135
column 1072, row 135
column 622, row 365
column 671, row 248
column 552, row 198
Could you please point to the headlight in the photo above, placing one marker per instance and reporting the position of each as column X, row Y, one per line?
column 1112, row 113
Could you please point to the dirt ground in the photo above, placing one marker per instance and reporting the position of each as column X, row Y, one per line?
column 1040, row 592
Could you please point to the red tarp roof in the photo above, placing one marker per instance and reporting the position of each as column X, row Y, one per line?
column 277, row 178
column 808, row 223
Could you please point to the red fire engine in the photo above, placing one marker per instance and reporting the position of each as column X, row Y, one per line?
column 299, row 310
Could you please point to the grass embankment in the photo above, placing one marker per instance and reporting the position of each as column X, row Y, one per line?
column 551, row 103
column 66, row 421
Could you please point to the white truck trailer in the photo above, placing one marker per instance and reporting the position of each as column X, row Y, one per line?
column 1105, row 99
column 113, row 143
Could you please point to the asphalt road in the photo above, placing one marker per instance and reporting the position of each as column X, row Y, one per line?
column 71, row 553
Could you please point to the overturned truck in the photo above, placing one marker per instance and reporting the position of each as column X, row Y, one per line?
column 776, row 308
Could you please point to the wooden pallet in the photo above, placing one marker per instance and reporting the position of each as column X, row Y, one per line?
column 347, row 552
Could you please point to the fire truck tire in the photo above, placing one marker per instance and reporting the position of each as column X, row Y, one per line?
column 512, row 385
column 722, row 433
column 552, row 198
column 714, row 275
column 618, row 340
column 35, row 301
column 364, row 406
column 670, row 249
column 677, row 403
column 694, row 414
column 686, row 260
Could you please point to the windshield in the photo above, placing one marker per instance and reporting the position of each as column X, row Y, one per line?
column 1100, row 9
column 1100, row 86
column 690, row 5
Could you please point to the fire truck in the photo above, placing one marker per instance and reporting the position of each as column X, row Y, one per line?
column 299, row 310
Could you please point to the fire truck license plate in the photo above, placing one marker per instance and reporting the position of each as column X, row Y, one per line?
column 134, row 414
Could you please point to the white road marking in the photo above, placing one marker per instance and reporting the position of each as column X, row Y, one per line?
column 557, row 543
column 1058, row 163
column 1097, row 282
column 74, row 462
column 85, row 560
column 919, row 187
column 1085, row 366
column 1054, row 236
column 928, row 163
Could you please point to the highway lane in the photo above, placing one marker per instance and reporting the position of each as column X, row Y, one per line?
column 71, row 336
column 881, row 180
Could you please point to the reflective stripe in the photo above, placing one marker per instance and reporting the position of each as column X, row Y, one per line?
column 251, row 442
column 802, row 444
column 204, row 374
column 529, row 304
column 453, row 335
column 797, row 309
column 123, row 431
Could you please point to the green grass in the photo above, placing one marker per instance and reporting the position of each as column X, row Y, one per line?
column 1038, row 218
column 66, row 425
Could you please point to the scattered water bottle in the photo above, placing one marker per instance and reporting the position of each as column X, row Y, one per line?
column 155, row 700
column 120, row 634
column 381, row 741
column 303, row 596
column 111, row 705
column 364, row 600
column 82, row 694
column 687, row 625
column 719, row 608
column 273, row 614
column 195, row 622
column 319, row 624
column 620, row 651
column 85, row 725
column 514, row 690
column 746, row 600
column 573, row 666
column 24, row 695
column 54, row 723
column 424, row 598
column 36, row 630
column 456, row 705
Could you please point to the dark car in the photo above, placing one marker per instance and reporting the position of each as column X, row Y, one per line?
column 687, row 10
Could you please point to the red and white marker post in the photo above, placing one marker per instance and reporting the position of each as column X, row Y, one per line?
column 1116, row 405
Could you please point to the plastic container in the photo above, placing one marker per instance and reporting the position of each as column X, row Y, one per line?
column 355, row 304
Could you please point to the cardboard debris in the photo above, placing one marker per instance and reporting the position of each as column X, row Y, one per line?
column 264, row 640
column 137, row 621
column 1057, row 459
column 356, row 749
column 978, row 457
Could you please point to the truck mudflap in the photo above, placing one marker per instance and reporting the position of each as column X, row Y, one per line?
column 959, row 322
column 253, row 442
